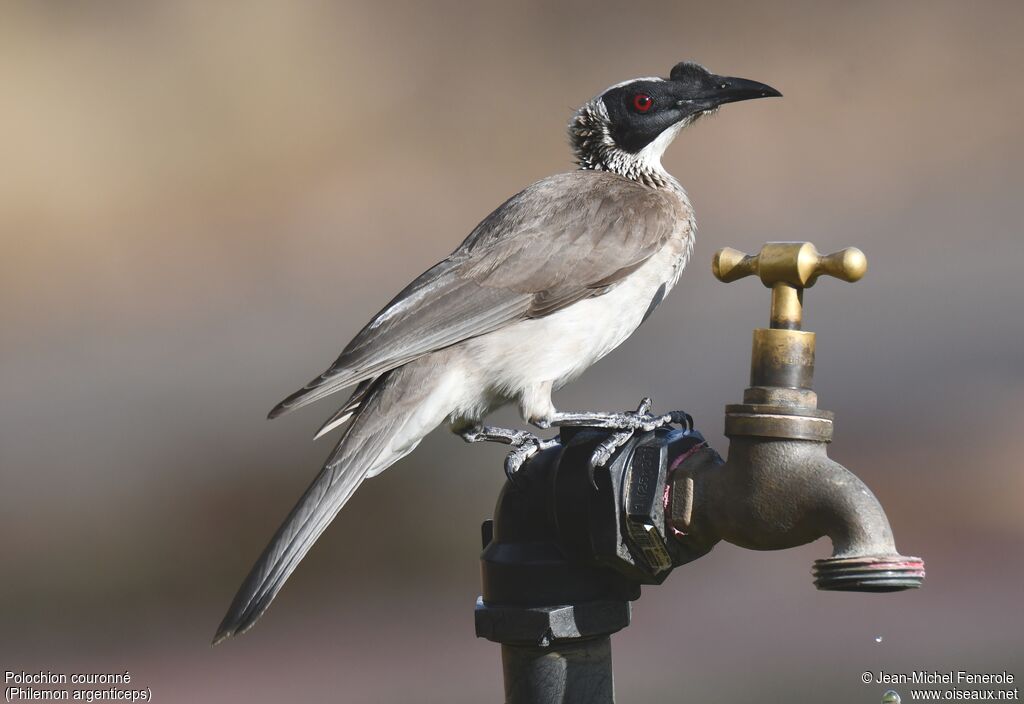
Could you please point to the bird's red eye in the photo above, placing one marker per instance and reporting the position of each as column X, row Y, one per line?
column 642, row 102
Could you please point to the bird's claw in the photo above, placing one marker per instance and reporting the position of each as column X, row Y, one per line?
column 604, row 451
column 682, row 419
column 641, row 419
column 626, row 425
column 524, row 446
column 644, row 420
column 623, row 426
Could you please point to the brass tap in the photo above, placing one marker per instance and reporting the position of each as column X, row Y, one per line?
column 787, row 268
column 778, row 488
column 779, row 402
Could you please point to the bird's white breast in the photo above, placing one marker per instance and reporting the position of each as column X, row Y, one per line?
column 559, row 347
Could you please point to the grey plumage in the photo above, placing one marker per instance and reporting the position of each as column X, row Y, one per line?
column 364, row 446
column 551, row 281
column 564, row 238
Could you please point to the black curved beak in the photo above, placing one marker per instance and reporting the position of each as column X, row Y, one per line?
column 719, row 90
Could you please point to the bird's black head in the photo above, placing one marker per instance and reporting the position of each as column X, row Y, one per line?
column 645, row 114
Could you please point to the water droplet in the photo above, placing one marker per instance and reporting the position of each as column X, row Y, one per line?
column 890, row 697
column 878, row 639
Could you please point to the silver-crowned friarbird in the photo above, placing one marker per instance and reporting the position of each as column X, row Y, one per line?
column 550, row 282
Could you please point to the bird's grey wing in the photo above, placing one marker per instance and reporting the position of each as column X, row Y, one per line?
column 589, row 231
column 441, row 307
column 560, row 240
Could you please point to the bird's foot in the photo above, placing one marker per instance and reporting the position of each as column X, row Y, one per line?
column 639, row 420
column 624, row 425
column 524, row 444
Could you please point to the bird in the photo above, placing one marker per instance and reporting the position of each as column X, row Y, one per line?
column 551, row 281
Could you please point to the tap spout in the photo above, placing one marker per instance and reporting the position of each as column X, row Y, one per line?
column 772, row 494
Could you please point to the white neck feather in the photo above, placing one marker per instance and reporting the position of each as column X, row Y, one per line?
column 595, row 148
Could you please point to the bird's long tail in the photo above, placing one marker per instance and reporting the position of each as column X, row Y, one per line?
column 402, row 407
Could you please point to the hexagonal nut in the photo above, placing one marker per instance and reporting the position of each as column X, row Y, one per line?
column 544, row 625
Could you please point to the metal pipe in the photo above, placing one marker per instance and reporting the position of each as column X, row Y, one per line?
column 552, row 610
column 572, row 672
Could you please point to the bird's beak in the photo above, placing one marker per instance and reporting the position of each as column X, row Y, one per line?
column 719, row 90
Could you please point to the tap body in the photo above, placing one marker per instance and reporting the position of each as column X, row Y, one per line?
column 777, row 493
column 779, row 488
column 774, row 494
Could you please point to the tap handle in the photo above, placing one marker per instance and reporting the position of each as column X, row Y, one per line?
column 798, row 264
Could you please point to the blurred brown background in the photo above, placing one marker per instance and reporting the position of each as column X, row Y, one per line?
column 200, row 203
